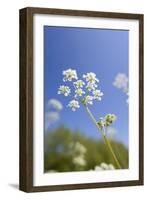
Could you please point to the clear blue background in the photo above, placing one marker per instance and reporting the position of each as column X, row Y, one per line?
column 104, row 52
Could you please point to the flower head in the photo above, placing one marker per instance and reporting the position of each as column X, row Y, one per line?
column 79, row 92
column 73, row 104
column 79, row 84
column 55, row 104
column 121, row 81
column 65, row 90
column 79, row 160
column 104, row 166
column 69, row 75
column 97, row 94
column 88, row 100
column 90, row 77
column 84, row 92
column 91, row 86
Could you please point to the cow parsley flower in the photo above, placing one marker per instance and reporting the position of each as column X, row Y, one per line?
column 65, row 90
column 121, row 81
column 91, row 86
column 90, row 77
column 97, row 94
column 69, row 75
column 73, row 104
column 104, row 166
column 77, row 148
column 79, row 160
column 79, row 84
column 77, row 151
column 79, row 92
column 88, row 100
column 84, row 92
column 55, row 104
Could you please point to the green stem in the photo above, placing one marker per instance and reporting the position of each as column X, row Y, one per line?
column 107, row 142
column 111, row 150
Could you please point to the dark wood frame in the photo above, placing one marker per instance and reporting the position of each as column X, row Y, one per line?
column 26, row 99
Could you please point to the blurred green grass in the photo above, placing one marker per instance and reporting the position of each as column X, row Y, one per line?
column 58, row 155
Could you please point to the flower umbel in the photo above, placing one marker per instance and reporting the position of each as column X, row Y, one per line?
column 88, row 100
column 69, row 75
column 79, row 92
column 97, row 94
column 122, row 82
column 91, row 86
column 73, row 104
column 65, row 90
column 79, row 84
column 90, row 77
column 85, row 92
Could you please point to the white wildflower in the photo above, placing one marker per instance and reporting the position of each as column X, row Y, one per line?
column 88, row 100
column 77, row 151
column 80, row 148
column 73, row 104
column 50, row 118
column 104, row 166
column 121, row 82
column 79, row 92
column 91, row 86
column 65, row 90
column 90, row 77
column 97, row 94
column 111, row 167
column 69, row 75
column 79, row 160
column 79, row 84
column 55, row 104
column 97, row 168
column 85, row 92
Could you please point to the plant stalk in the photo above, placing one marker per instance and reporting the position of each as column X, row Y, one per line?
column 107, row 142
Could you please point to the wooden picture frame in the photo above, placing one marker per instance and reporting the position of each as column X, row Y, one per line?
column 27, row 91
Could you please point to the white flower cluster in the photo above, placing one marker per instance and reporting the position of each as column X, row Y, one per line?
column 77, row 151
column 69, row 75
column 73, row 104
column 122, row 82
column 85, row 91
column 104, row 166
column 52, row 115
column 54, row 103
column 65, row 90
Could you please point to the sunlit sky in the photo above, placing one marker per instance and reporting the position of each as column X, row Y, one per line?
column 104, row 52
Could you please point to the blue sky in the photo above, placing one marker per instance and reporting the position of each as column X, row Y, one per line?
column 104, row 52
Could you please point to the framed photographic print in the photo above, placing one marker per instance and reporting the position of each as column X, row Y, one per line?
column 81, row 99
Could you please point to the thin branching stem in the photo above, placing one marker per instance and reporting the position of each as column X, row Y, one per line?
column 106, row 140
